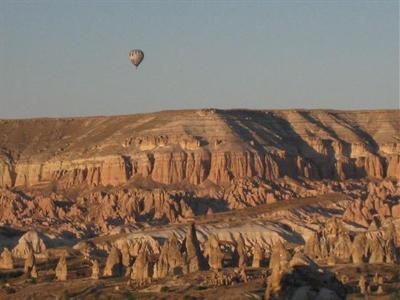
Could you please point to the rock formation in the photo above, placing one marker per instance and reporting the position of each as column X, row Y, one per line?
column 34, row 273
column 126, row 258
column 280, row 257
column 30, row 264
column 380, row 250
column 389, row 245
column 331, row 261
column 29, row 241
column 214, row 253
column 362, row 283
column 359, row 248
column 332, row 240
column 258, row 256
column 243, row 275
column 256, row 182
column 278, row 264
column 95, row 270
column 6, row 260
column 113, row 264
column 338, row 239
column 193, row 255
column 86, row 248
column 315, row 246
column 299, row 277
column 142, row 269
column 240, row 253
column 336, row 152
column 378, row 279
column 171, row 260
column 62, row 269
column 380, row 290
column 358, row 213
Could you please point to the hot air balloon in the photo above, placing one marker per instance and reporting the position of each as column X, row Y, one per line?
column 136, row 56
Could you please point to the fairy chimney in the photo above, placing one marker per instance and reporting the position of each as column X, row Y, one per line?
column 113, row 264
column 6, row 260
column 62, row 269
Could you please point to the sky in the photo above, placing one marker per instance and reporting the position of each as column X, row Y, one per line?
column 70, row 58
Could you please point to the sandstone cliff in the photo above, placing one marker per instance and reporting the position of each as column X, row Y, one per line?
column 191, row 147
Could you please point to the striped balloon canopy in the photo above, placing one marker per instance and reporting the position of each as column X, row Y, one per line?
column 136, row 56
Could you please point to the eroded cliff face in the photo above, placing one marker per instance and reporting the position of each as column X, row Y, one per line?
column 191, row 147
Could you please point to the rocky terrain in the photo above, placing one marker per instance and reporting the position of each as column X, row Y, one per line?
column 201, row 204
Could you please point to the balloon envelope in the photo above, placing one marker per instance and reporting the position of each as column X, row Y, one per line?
column 136, row 56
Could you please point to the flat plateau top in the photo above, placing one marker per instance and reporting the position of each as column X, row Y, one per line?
column 102, row 135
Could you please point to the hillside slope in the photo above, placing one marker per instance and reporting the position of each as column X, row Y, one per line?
column 190, row 147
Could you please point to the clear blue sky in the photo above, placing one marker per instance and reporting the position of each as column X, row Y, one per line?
column 67, row 58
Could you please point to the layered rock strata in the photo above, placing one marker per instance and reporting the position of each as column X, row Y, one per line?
column 188, row 147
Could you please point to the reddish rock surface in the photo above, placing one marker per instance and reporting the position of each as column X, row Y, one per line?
column 285, row 203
